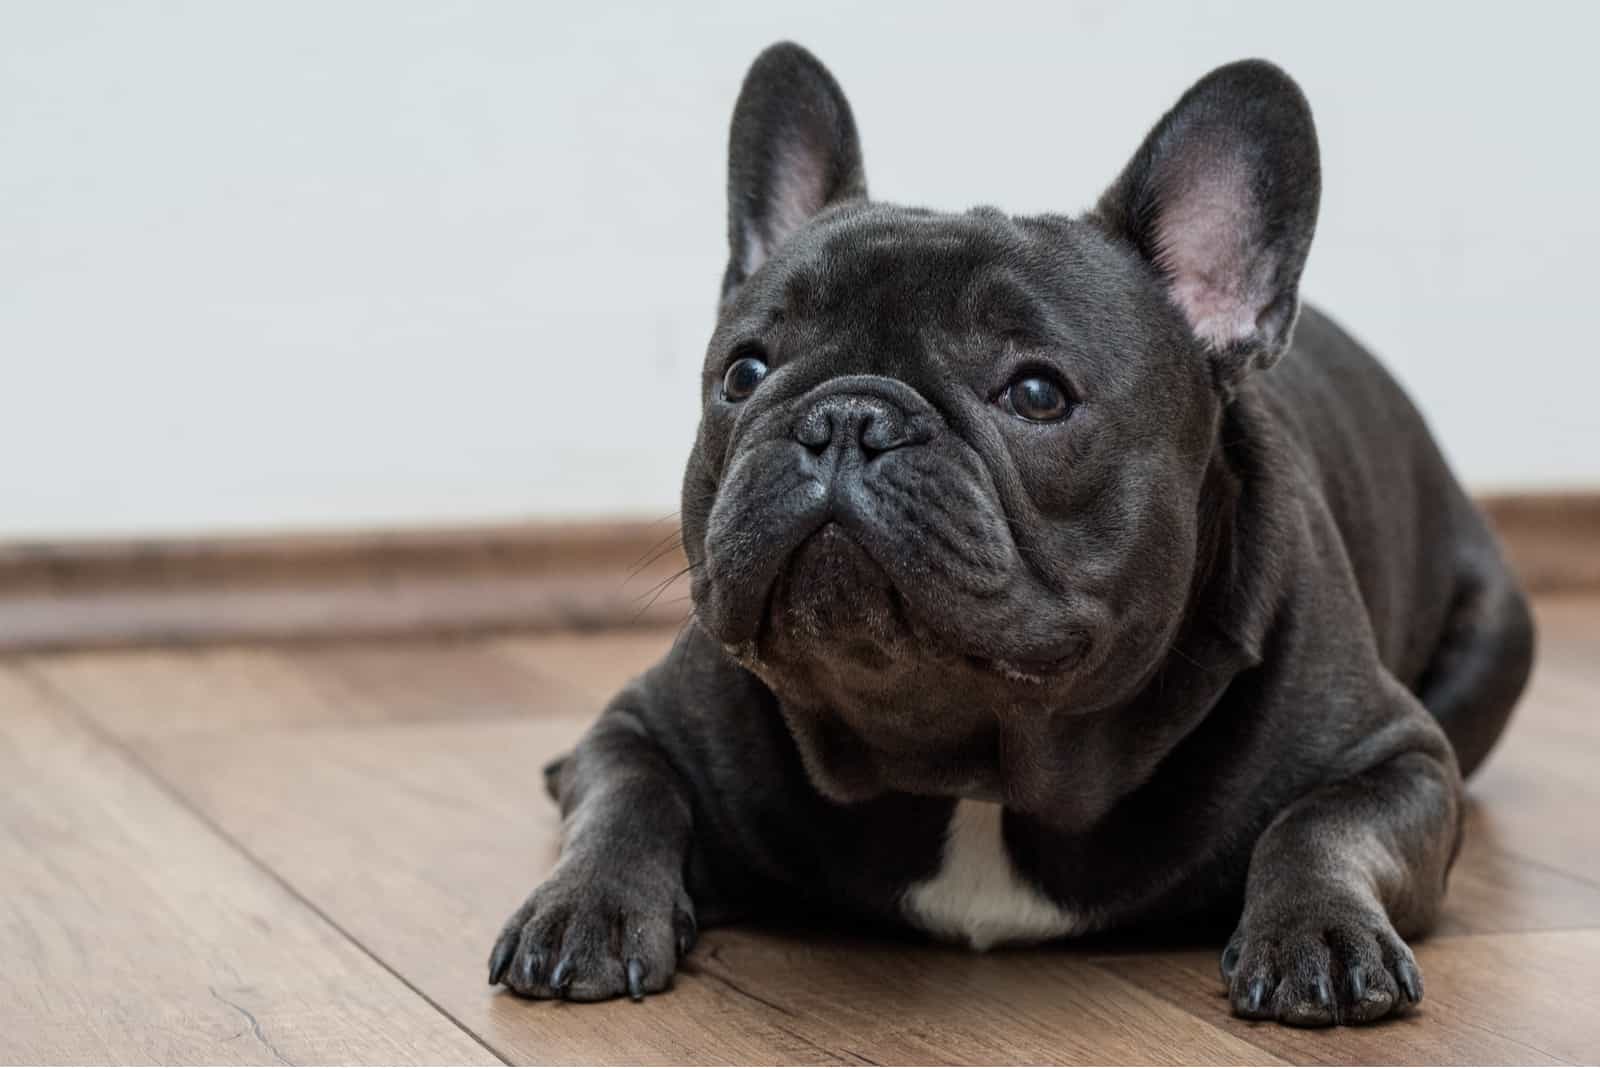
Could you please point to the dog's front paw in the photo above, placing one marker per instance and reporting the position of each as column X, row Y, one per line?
column 588, row 935
column 1311, row 964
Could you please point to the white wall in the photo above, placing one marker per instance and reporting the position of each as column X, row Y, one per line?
column 284, row 265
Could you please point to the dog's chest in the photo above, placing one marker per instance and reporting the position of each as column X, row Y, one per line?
column 978, row 896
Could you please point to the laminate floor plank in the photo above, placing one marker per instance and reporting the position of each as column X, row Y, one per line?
column 131, row 932
column 153, row 693
column 596, row 665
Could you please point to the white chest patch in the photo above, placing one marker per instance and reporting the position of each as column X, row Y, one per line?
column 977, row 897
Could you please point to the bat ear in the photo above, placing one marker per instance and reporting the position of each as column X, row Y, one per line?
column 792, row 151
column 1222, row 199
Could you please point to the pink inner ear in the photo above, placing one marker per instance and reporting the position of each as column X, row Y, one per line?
column 797, row 193
column 1209, row 243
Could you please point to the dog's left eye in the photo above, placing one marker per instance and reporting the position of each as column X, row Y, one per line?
column 1036, row 398
column 742, row 378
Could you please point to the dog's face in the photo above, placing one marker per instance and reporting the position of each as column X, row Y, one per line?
column 950, row 474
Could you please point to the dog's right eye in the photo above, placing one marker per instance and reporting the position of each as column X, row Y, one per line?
column 742, row 378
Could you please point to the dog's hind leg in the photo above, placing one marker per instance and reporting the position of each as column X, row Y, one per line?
column 1483, row 660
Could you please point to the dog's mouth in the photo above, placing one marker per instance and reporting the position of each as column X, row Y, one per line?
column 833, row 599
column 832, row 589
column 1032, row 671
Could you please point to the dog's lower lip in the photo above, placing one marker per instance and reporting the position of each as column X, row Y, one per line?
column 1027, row 669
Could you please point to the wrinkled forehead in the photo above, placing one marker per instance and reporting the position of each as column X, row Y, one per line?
column 890, row 268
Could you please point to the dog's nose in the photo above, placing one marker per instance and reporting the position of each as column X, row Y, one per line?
column 871, row 424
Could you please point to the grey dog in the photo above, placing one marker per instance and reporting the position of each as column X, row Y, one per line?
column 1028, row 601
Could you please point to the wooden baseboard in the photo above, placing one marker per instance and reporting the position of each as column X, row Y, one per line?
column 1552, row 539
column 532, row 576
column 556, row 576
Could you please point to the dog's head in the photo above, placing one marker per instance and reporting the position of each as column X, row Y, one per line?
column 950, row 468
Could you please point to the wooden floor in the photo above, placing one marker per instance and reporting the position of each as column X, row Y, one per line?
column 289, row 854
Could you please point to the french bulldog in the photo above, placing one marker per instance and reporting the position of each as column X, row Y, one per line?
column 1029, row 603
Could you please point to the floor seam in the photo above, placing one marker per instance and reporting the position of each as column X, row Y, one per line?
column 72, row 707
column 1188, row 1013
column 1546, row 866
column 27, row 664
column 738, row 988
